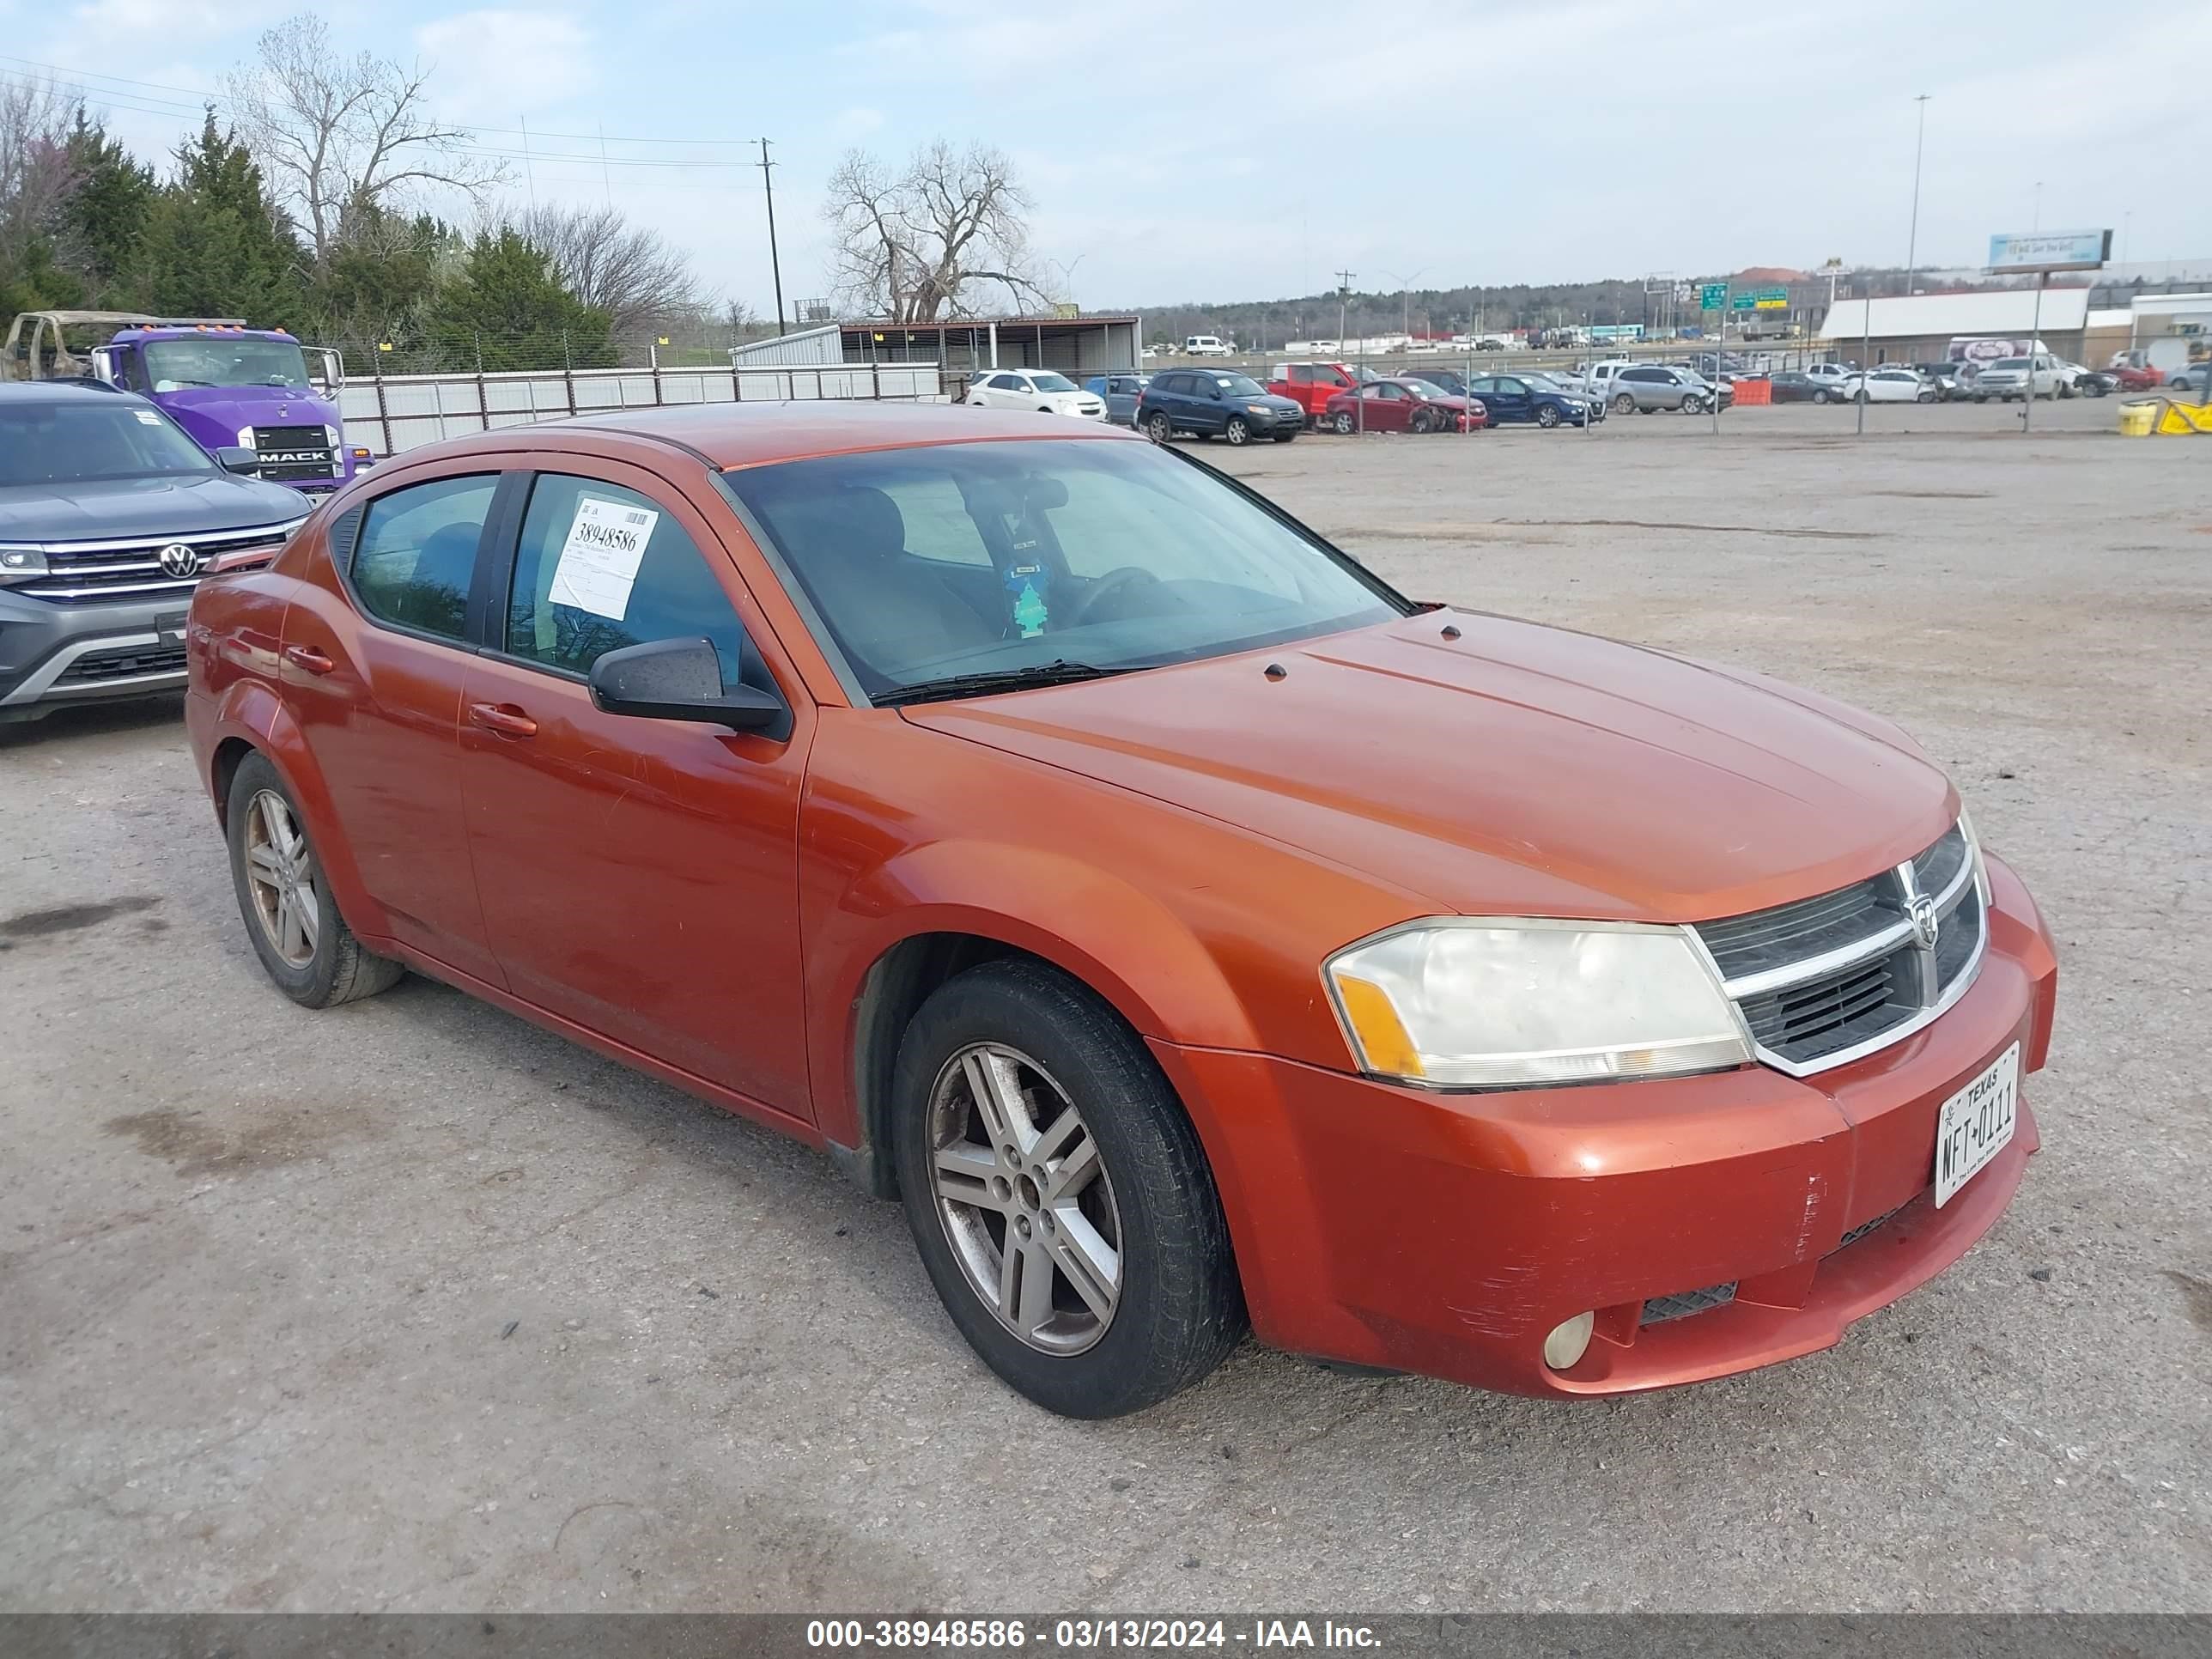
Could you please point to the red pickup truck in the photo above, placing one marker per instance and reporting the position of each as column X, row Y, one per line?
column 1311, row 385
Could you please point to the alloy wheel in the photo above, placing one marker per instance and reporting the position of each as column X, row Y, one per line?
column 1024, row 1199
column 280, row 872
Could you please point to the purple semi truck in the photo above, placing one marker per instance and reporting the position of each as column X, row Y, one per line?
column 228, row 386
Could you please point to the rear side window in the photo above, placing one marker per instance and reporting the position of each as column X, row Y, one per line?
column 417, row 554
column 599, row 567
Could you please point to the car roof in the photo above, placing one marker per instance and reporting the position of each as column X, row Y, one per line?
column 64, row 391
column 729, row 435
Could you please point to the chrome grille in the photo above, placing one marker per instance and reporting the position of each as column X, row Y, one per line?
column 1824, row 980
column 89, row 572
column 295, row 454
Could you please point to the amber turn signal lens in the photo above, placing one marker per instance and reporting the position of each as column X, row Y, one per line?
column 1384, row 1047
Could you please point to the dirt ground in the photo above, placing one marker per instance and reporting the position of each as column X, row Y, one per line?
column 411, row 1306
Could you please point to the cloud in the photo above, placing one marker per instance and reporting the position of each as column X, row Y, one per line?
column 495, row 64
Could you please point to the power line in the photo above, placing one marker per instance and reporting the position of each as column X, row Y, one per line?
column 194, row 99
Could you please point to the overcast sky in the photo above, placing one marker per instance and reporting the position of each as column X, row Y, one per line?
column 1179, row 152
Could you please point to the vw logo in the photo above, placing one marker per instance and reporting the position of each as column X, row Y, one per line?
column 1927, row 928
column 180, row 561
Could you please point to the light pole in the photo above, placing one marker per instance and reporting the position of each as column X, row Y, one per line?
column 1406, row 299
column 1912, row 239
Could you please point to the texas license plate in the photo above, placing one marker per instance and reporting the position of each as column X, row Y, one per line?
column 1976, row 1124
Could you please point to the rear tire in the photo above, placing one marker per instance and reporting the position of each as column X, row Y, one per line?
column 1158, row 428
column 1624, row 404
column 1048, row 1053
column 291, row 919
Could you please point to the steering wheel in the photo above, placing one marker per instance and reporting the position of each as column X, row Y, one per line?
column 1110, row 584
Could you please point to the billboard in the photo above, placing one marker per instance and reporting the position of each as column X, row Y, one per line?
column 2051, row 250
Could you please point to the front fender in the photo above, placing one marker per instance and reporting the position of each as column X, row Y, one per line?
column 1136, row 953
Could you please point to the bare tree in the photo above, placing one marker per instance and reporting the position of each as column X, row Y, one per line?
column 37, row 173
column 934, row 239
column 332, row 133
column 626, row 271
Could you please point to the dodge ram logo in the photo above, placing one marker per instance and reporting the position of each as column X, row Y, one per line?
column 1927, row 927
column 180, row 561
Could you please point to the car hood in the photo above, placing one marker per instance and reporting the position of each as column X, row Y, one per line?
column 112, row 508
column 227, row 409
column 1516, row 770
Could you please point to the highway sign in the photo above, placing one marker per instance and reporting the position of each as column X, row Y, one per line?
column 1712, row 296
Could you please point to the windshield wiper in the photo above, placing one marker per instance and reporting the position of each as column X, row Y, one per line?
column 1060, row 671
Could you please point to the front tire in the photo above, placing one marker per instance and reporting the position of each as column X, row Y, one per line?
column 1343, row 423
column 1820, row 397
column 1548, row 416
column 293, row 921
column 1058, row 1194
column 1693, row 404
column 1238, row 431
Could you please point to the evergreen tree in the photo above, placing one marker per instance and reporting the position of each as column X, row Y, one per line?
column 508, row 306
column 214, row 244
column 103, row 224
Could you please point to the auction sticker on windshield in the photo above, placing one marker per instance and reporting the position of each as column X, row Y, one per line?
column 599, row 562
column 1976, row 1124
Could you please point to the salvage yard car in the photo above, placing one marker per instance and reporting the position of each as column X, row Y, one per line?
column 1185, row 925
column 1406, row 405
column 109, row 513
column 1040, row 389
column 1216, row 403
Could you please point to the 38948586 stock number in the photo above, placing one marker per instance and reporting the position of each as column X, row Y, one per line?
column 1002, row 1633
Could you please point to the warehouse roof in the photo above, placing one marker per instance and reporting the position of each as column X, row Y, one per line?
column 1988, row 311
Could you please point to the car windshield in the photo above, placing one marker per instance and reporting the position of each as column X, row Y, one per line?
column 223, row 360
column 1241, row 385
column 2016, row 364
column 1048, row 558
column 72, row 442
column 1049, row 382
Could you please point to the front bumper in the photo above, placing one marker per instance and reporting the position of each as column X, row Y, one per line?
column 51, row 654
column 1447, row 1234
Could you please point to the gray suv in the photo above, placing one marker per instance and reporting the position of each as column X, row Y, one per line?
column 1647, row 386
column 108, row 515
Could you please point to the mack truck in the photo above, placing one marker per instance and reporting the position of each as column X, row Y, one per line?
column 228, row 386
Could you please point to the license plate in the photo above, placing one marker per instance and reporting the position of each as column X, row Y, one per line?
column 1976, row 1124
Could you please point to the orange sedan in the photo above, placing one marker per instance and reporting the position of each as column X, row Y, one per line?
column 1187, row 927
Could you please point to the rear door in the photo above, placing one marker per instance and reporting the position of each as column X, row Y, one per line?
column 639, row 876
column 376, row 652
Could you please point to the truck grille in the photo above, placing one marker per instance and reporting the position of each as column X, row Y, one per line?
column 295, row 454
column 84, row 573
column 1827, row 979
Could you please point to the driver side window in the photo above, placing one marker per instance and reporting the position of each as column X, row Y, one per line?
column 570, row 603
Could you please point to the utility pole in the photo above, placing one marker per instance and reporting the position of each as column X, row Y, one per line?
column 1913, row 240
column 774, row 265
column 1360, row 387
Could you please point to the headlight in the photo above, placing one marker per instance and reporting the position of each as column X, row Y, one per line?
column 1462, row 1003
column 246, row 437
column 1258, row 408
column 21, row 564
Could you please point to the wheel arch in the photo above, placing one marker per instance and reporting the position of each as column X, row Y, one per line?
column 254, row 721
column 948, row 909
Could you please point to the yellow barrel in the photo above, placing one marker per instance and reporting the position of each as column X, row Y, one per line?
column 2138, row 420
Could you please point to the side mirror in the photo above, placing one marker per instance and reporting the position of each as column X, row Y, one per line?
column 679, row 680
column 236, row 458
column 1214, row 392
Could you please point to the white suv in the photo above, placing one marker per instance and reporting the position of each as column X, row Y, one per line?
column 1040, row 389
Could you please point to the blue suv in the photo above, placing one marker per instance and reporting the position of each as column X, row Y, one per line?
column 108, row 515
column 1212, row 402
column 1514, row 397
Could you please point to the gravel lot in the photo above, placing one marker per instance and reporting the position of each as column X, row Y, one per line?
column 410, row 1306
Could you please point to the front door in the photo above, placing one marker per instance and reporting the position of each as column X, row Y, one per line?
column 373, row 665
column 639, row 876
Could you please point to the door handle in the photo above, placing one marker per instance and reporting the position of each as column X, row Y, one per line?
column 307, row 657
column 504, row 718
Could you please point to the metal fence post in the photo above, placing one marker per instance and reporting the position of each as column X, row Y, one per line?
column 383, row 414
column 567, row 373
column 483, row 403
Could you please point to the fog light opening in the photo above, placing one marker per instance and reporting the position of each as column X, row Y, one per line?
column 1568, row 1340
